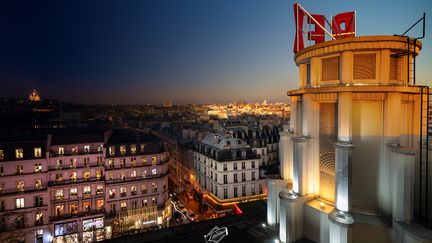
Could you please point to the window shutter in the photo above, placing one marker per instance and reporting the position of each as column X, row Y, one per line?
column 364, row 66
column 330, row 68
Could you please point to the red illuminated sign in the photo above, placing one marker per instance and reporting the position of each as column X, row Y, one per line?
column 313, row 27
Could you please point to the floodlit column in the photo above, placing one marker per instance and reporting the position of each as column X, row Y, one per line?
column 291, row 217
column 275, row 186
column 286, row 154
column 340, row 220
column 344, row 116
column 300, row 165
column 343, row 176
column 402, row 180
column 346, row 67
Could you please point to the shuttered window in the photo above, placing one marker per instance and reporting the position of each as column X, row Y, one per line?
column 330, row 68
column 364, row 66
column 395, row 68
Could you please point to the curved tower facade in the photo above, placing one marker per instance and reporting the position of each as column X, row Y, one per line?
column 352, row 151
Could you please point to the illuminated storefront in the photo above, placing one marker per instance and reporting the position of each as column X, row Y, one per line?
column 66, row 232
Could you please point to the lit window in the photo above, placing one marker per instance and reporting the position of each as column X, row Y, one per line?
column 122, row 163
column 86, row 148
column 154, row 172
column 38, row 167
column 143, row 160
column 253, row 189
column 86, row 191
column 123, row 191
column 59, row 194
column 59, row 177
column 73, row 192
column 20, row 186
column 39, row 218
column 133, row 149
column 73, row 163
column 2, row 190
column 142, row 148
column 144, row 203
column 153, row 160
column 98, row 174
column 73, row 208
column 38, row 184
column 19, row 169
column 37, row 152
column 144, row 173
column 133, row 174
column 86, row 175
column 111, row 164
column 133, row 190
column 111, row 193
column 100, row 204
column 19, row 202
column 154, row 187
column 123, row 206
column 1, row 154
column 133, row 162
column 99, row 189
column 19, row 154
column 59, row 209
column 154, row 201
column 73, row 176
column 111, row 150
column 61, row 150
column 86, row 206
column 1, row 171
column 59, row 164
column 122, row 149
column 74, row 150
column 100, row 148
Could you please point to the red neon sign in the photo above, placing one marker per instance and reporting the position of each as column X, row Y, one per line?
column 342, row 26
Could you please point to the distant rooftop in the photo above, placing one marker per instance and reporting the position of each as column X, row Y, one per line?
column 223, row 140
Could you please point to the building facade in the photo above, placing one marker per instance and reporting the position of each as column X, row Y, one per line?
column 353, row 156
column 227, row 169
column 81, row 188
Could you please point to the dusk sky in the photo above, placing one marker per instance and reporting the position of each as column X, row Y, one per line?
column 138, row 52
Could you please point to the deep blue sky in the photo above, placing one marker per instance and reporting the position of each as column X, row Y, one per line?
column 187, row 51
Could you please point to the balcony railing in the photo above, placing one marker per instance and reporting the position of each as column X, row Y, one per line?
column 80, row 166
column 66, row 182
column 79, row 152
column 26, row 190
column 136, row 178
column 137, row 165
column 76, row 215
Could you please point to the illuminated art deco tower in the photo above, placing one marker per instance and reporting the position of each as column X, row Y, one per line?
column 351, row 163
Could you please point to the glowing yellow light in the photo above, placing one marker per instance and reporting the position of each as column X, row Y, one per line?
column 322, row 205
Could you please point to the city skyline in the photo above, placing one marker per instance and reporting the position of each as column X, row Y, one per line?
column 188, row 52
